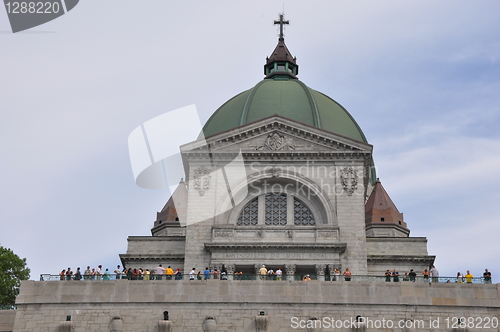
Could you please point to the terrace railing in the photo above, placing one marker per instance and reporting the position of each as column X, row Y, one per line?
column 245, row 277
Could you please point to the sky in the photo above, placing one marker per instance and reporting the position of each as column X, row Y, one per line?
column 421, row 78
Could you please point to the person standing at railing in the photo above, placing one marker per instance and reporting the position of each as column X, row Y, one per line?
column 387, row 276
column 62, row 275
column 460, row 279
column 169, row 273
column 69, row 274
column 425, row 273
column 86, row 273
column 279, row 274
column 434, row 274
column 270, row 274
column 263, row 272
column 412, row 275
column 395, row 275
column 192, row 273
column 206, row 273
column 78, row 274
column 487, row 276
column 160, row 271
column 178, row 274
column 336, row 274
column 92, row 274
column 468, row 277
column 106, row 275
column 146, row 274
column 98, row 272
column 347, row 274
column 117, row 272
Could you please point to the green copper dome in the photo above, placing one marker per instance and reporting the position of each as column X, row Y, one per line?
column 282, row 93
column 287, row 97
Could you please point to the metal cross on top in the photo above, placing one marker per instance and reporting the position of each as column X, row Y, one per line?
column 281, row 22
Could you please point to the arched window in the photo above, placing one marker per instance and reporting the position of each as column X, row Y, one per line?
column 302, row 216
column 276, row 210
column 249, row 215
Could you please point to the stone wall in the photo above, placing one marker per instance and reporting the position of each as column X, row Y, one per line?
column 139, row 305
column 7, row 320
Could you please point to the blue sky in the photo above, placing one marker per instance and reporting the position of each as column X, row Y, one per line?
column 420, row 77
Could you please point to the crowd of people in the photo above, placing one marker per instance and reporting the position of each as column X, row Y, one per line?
column 432, row 274
column 161, row 273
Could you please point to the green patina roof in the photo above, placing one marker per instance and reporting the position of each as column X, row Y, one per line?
column 289, row 98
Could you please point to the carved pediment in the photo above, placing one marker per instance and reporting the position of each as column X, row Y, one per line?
column 278, row 135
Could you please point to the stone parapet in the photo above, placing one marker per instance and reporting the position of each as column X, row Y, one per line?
column 257, row 291
column 234, row 305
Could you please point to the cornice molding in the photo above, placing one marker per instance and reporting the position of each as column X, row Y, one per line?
column 336, row 247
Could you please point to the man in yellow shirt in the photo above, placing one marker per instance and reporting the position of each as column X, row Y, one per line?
column 263, row 272
column 169, row 272
column 468, row 277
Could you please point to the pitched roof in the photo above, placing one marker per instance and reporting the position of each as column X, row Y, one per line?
column 380, row 209
column 175, row 209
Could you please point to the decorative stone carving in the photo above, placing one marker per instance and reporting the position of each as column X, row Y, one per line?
column 290, row 271
column 314, row 324
column 320, row 269
column 229, row 268
column 261, row 323
column 328, row 234
column 276, row 141
column 209, row 324
column 289, row 234
column 349, row 180
column 116, row 324
column 202, row 179
column 223, row 233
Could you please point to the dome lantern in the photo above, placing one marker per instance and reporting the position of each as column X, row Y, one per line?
column 281, row 63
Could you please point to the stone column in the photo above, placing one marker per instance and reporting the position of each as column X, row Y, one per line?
column 230, row 271
column 257, row 275
column 331, row 267
column 320, row 272
column 290, row 271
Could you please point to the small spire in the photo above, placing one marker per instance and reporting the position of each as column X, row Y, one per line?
column 281, row 62
column 281, row 22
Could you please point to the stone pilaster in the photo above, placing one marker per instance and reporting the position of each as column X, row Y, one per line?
column 320, row 272
column 290, row 271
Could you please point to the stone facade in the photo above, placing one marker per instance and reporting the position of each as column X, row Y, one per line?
column 311, row 170
column 243, row 306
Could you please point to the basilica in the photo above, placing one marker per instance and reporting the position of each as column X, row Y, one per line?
column 282, row 176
